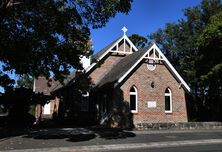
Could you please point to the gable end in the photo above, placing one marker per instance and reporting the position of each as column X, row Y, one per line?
column 161, row 57
column 113, row 48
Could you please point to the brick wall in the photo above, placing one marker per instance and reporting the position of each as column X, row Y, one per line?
column 54, row 105
column 104, row 66
column 108, row 63
column 162, row 78
column 142, row 78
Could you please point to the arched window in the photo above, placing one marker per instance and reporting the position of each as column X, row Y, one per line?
column 168, row 100
column 85, row 101
column 133, row 99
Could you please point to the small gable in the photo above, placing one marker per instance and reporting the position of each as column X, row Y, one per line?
column 121, row 46
column 154, row 54
column 124, row 46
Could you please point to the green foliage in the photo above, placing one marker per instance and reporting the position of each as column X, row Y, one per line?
column 209, row 44
column 138, row 40
column 43, row 36
column 215, row 73
column 194, row 47
column 25, row 82
column 32, row 110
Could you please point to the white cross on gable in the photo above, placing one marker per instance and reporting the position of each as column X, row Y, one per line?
column 124, row 29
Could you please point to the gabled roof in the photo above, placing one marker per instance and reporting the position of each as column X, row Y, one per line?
column 45, row 86
column 122, row 69
column 66, row 82
column 172, row 69
column 102, row 53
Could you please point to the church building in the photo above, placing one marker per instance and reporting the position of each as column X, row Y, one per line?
column 128, row 87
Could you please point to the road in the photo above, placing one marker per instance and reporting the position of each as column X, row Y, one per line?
column 199, row 148
column 113, row 140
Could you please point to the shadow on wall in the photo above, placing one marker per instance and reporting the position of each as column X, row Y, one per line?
column 122, row 117
column 69, row 109
column 121, row 114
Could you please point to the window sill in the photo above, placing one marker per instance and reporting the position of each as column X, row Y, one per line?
column 134, row 112
column 168, row 112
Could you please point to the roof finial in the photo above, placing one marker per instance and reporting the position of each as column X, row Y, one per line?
column 124, row 29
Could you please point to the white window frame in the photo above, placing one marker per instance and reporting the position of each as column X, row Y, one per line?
column 86, row 95
column 171, row 103
column 134, row 93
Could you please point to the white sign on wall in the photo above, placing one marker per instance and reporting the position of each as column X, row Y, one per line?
column 151, row 104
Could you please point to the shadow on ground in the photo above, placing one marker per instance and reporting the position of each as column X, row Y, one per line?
column 69, row 134
column 6, row 133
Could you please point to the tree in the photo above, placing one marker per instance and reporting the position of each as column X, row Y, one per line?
column 25, row 82
column 42, row 36
column 193, row 45
column 210, row 71
column 6, row 82
column 210, row 41
column 138, row 40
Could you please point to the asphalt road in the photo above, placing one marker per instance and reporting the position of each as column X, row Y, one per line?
column 199, row 148
column 51, row 138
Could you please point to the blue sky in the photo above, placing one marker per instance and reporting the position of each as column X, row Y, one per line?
column 145, row 17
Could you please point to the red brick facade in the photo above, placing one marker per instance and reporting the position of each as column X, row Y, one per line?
column 110, row 88
column 104, row 66
column 142, row 78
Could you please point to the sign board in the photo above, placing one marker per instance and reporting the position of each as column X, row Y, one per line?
column 151, row 104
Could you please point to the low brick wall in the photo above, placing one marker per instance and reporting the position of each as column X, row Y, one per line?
column 179, row 126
